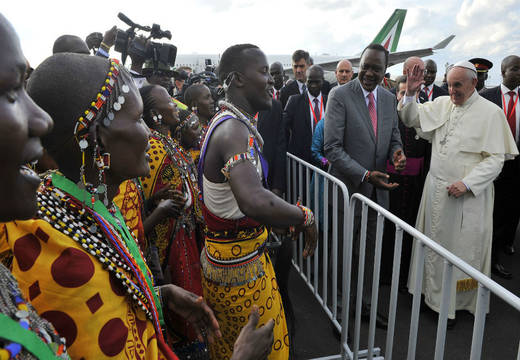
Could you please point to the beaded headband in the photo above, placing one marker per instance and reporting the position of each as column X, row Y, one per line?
column 92, row 113
column 108, row 100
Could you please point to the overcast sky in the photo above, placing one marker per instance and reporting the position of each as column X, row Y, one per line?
column 483, row 28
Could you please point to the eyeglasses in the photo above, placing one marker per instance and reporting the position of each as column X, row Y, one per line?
column 426, row 72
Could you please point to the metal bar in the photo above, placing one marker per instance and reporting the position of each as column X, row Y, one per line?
column 375, row 285
column 294, row 198
column 398, row 244
column 361, row 271
column 447, row 280
column 300, row 198
column 316, row 257
column 334, row 252
column 325, row 241
column 486, row 281
column 416, row 305
column 348, row 226
column 307, row 204
column 480, row 322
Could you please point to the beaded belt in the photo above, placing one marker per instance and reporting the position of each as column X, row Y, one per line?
column 233, row 272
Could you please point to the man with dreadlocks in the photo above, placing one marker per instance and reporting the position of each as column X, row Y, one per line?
column 237, row 273
column 77, row 261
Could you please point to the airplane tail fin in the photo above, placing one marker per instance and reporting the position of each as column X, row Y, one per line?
column 443, row 43
column 389, row 35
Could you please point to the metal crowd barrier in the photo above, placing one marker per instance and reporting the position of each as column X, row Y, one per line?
column 311, row 273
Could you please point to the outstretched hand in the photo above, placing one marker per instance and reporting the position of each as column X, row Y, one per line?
column 414, row 80
column 253, row 343
column 380, row 180
column 192, row 308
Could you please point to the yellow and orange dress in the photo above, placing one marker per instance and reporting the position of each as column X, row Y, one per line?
column 176, row 238
column 82, row 270
column 237, row 271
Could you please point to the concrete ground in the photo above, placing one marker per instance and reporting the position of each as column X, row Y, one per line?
column 315, row 336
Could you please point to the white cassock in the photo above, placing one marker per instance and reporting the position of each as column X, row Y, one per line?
column 469, row 143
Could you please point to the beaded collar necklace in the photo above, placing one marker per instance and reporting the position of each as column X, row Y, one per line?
column 102, row 234
column 186, row 168
column 242, row 115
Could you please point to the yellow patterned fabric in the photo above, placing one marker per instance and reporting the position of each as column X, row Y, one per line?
column 129, row 200
column 71, row 289
column 231, row 290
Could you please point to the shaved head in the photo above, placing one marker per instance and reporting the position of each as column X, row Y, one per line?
column 70, row 44
column 410, row 62
column 344, row 72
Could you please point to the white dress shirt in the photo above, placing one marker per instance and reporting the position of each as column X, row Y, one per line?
column 300, row 85
column 506, row 97
column 311, row 109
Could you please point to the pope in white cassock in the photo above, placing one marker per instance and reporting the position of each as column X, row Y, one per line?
column 470, row 140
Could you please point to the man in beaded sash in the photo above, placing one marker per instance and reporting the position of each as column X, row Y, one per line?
column 23, row 333
column 77, row 261
column 237, row 273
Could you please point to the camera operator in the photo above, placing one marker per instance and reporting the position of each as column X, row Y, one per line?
column 180, row 84
column 161, row 75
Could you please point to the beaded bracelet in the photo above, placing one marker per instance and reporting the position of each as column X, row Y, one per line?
column 309, row 216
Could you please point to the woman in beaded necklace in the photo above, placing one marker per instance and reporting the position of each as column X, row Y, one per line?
column 77, row 260
column 171, row 171
column 23, row 334
column 189, row 134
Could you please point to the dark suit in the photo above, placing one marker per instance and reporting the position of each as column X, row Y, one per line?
column 352, row 148
column 271, row 129
column 506, row 211
column 297, row 124
column 287, row 91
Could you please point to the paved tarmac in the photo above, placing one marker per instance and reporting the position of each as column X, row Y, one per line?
column 315, row 336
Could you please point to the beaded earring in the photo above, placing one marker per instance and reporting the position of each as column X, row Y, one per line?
column 109, row 100
column 194, row 109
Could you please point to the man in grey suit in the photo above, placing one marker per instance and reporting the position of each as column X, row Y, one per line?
column 361, row 135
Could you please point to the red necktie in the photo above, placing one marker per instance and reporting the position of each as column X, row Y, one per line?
column 372, row 111
column 316, row 112
column 511, row 113
column 277, row 94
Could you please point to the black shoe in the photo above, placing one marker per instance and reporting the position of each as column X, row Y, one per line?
column 451, row 323
column 509, row 249
column 381, row 320
column 500, row 270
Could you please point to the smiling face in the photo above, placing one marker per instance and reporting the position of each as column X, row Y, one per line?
column 22, row 123
column 165, row 106
column 371, row 69
column 258, row 84
column 460, row 85
column 126, row 139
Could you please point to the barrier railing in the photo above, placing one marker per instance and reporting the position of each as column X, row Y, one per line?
column 323, row 283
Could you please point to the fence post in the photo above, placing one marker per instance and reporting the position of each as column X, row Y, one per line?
column 480, row 321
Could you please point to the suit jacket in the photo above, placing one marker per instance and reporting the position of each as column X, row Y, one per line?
column 437, row 91
column 271, row 129
column 287, row 91
column 350, row 143
column 511, row 168
column 297, row 125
